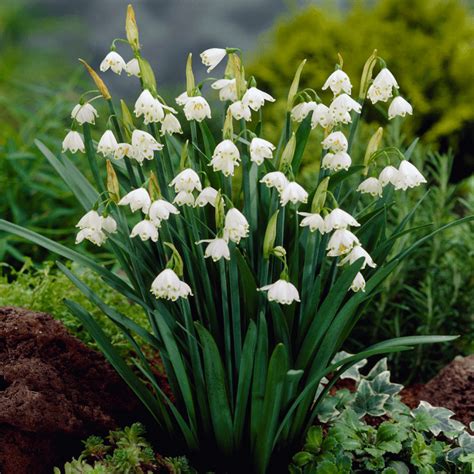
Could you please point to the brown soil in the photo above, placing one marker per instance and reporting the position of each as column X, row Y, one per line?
column 452, row 388
column 54, row 391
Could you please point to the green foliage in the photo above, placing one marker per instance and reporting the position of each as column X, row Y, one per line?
column 427, row 44
column 395, row 440
column 43, row 289
column 124, row 451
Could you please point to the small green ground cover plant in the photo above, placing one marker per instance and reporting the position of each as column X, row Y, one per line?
column 371, row 430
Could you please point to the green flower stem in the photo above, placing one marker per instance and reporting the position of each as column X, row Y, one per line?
column 235, row 305
column 91, row 156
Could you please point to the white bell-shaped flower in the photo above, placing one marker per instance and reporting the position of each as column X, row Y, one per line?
column 225, row 157
column 97, row 237
column 170, row 125
column 399, row 107
column 184, row 198
column 342, row 241
column 293, row 193
column 255, row 98
column 73, row 142
column 197, row 108
column 216, row 249
column 408, row 176
column 109, row 224
column 107, row 144
column 182, row 98
column 339, row 219
column 314, row 221
column 187, row 180
column 207, row 196
column 145, row 230
column 300, row 111
column 236, row 226
column 122, row 150
column 282, row 292
column 160, row 210
column 227, row 89
column 388, row 175
column 113, row 61
column 240, row 111
column 149, row 107
column 334, row 142
column 260, row 149
column 371, row 186
column 321, row 116
column 382, row 87
column 137, row 199
column 167, row 285
column 90, row 220
column 341, row 107
column 144, row 145
column 132, row 68
column 358, row 284
column 354, row 255
column 84, row 113
column 338, row 82
column 212, row 57
column 336, row 161
column 275, row 179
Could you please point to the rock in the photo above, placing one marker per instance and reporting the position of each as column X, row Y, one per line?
column 452, row 388
column 54, row 391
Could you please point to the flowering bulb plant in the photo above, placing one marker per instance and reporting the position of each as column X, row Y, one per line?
column 250, row 282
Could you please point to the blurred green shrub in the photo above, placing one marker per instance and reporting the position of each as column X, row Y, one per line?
column 428, row 44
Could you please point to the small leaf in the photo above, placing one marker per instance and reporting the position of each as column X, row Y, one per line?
column 367, row 402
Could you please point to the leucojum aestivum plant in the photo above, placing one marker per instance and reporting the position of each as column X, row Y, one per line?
column 251, row 283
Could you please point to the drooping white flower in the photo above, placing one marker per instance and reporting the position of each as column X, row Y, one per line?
column 113, row 61
column 133, row 67
column 336, row 161
column 260, row 149
column 144, row 145
column 216, row 249
column 314, row 221
column 321, row 116
column 225, row 157
column 399, row 107
column 255, row 98
column 408, row 176
column 107, row 144
column 73, row 142
column 184, row 198
column 145, row 229
column 187, row 180
column 227, row 89
column 341, row 242
column 282, row 292
column 339, row 219
column 293, row 193
column 275, row 179
column 354, row 255
column 212, row 57
column 84, row 113
column 358, row 284
column 108, row 224
column 149, row 107
column 97, row 237
column 382, row 86
column 160, row 210
column 388, row 175
column 137, row 199
column 197, row 108
column 300, row 111
column 338, row 82
column 90, row 220
column 207, row 196
column 239, row 111
column 371, row 186
column 335, row 141
column 341, row 107
column 167, row 285
column 182, row 98
column 236, row 226
column 170, row 125
column 123, row 149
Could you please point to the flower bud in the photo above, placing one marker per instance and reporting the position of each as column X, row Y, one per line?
column 190, row 84
column 372, row 147
column 320, row 196
column 270, row 235
column 131, row 29
column 288, row 153
column 367, row 75
column 228, row 130
column 238, row 73
column 294, row 86
column 148, row 76
column 219, row 211
column 98, row 81
column 153, row 187
column 127, row 119
column 113, row 186
column 279, row 251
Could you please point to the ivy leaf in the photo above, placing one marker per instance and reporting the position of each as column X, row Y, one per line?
column 353, row 372
column 444, row 424
column 465, row 447
column 367, row 402
column 331, row 407
column 381, row 384
column 378, row 368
